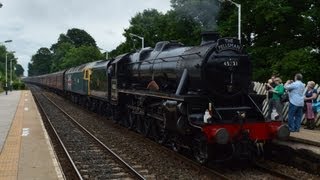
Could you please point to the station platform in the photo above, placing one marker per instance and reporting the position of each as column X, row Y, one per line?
column 308, row 140
column 311, row 137
column 25, row 149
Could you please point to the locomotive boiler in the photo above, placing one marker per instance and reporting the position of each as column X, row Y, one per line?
column 222, row 69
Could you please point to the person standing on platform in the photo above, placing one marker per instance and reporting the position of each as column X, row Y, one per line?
column 269, row 86
column 277, row 92
column 310, row 97
column 296, row 102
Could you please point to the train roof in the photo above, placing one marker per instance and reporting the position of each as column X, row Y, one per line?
column 82, row 67
column 101, row 64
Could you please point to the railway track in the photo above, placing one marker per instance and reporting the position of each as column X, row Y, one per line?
column 273, row 172
column 211, row 172
column 89, row 157
column 225, row 174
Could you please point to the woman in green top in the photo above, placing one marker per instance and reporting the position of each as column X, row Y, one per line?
column 278, row 91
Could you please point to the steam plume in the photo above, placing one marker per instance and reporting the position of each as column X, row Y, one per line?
column 203, row 11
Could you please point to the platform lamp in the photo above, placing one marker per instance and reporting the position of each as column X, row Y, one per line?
column 11, row 71
column 239, row 16
column 142, row 39
column 7, row 41
column 7, row 70
column 107, row 52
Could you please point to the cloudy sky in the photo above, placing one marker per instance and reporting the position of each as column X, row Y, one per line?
column 32, row 24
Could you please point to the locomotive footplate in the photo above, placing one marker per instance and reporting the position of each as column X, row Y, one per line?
column 173, row 97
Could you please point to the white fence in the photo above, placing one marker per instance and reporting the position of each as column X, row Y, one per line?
column 260, row 89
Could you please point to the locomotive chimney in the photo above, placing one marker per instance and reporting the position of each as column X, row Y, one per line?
column 209, row 37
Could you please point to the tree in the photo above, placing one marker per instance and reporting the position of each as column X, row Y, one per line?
column 59, row 54
column 30, row 70
column 10, row 57
column 66, row 52
column 19, row 70
column 40, row 62
column 81, row 55
column 277, row 33
column 80, row 37
column 155, row 26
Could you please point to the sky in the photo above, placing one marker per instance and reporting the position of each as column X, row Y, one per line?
column 32, row 24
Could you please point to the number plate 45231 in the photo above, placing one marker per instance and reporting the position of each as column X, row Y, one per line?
column 231, row 63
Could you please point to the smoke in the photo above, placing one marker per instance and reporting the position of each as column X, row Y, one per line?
column 203, row 11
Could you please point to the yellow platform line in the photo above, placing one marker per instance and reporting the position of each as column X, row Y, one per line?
column 9, row 157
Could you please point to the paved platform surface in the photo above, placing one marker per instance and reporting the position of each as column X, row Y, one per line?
column 27, row 152
column 311, row 137
column 8, row 107
column 304, row 140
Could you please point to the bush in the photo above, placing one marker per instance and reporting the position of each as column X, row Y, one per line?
column 18, row 86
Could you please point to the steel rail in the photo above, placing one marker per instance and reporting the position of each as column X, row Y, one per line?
column 118, row 158
column 273, row 172
column 181, row 157
column 176, row 155
column 57, row 136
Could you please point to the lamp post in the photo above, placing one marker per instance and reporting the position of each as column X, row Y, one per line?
column 239, row 16
column 1, row 5
column 11, row 72
column 142, row 39
column 7, row 69
column 107, row 52
column 6, row 87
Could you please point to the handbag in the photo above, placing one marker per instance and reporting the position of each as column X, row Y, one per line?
column 316, row 106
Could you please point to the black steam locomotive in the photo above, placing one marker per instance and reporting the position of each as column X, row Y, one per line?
column 196, row 98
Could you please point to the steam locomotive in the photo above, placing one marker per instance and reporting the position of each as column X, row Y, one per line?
column 188, row 97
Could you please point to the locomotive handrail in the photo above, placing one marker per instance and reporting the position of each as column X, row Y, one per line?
column 255, row 104
column 218, row 55
column 234, row 108
column 163, row 58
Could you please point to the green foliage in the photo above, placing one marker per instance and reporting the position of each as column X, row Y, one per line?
column 75, row 37
column 40, row 62
column 81, row 55
column 73, row 48
column 19, row 70
column 281, row 36
column 59, row 53
column 299, row 60
column 18, row 85
column 10, row 59
column 155, row 26
column 80, row 38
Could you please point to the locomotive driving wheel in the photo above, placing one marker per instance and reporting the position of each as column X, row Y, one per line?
column 200, row 150
column 131, row 119
column 147, row 123
column 159, row 132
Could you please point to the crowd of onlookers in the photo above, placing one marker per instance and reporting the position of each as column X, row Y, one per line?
column 299, row 101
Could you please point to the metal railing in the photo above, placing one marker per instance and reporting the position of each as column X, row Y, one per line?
column 260, row 89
